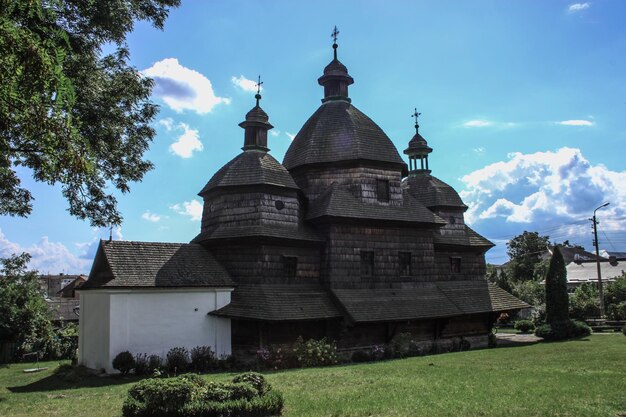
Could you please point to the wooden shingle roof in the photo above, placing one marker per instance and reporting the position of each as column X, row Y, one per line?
column 470, row 238
column 280, row 303
column 338, row 202
column 151, row 264
column 432, row 192
column 302, row 232
column 429, row 300
column 338, row 131
column 252, row 167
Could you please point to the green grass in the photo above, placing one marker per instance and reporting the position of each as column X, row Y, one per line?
column 577, row 378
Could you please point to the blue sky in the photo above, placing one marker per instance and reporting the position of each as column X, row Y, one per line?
column 522, row 101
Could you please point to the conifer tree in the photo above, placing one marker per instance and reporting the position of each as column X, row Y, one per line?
column 557, row 300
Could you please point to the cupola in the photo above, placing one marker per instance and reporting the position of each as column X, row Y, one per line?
column 418, row 150
column 256, row 125
column 335, row 79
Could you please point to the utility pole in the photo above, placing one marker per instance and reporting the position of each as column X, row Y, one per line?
column 595, row 242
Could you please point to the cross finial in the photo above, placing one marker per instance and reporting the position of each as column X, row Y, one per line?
column 416, row 115
column 258, row 90
column 334, row 34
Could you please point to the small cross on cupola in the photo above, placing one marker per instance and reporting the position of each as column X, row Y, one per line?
column 256, row 125
column 335, row 79
column 418, row 150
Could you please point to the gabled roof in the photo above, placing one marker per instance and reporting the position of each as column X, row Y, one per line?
column 429, row 300
column 151, row 264
column 432, row 192
column 301, row 232
column 251, row 167
column 337, row 201
column 588, row 271
column 470, row 238
column 338, row 131
column 280, row 303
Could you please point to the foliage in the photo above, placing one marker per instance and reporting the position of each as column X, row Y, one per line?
column 617, row 311
column 524, row 251
column 615, row 292
column 203, row 359
column 177, row 360
column 531, row 292
column 584, row 302
column 25, row 318
column 567, row 329
column 191, row 396
column 524, row 326
column 277, row 357
column 403, row 346
column 492, row 341
column 624, row 330
column 498, row 277
column 556, row 290
column 69, row 114
column 315, row 352
column 124, row 362
column 360, row 356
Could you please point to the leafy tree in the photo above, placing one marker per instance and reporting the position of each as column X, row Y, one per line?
column 615, row 292
column 557, row 300
column 531, row 292
column 24, row 314
column 524, row 251
column 67, row 113
column 584, row 302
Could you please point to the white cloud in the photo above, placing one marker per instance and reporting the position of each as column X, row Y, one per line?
column 182, row 88
column 290, row 135
column 187, row 143
column 477, row 123
column 167, row 123
column 577, row 7
column 244, row 83
column 55, row 257
column 191, row 208
column 151, row 217
column 554, row 190
column 576, row 123
column 275, row 133
column 479, row 150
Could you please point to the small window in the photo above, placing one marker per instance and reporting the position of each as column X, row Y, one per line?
column 455, row 265
column 279, row 205
column 382, row 190
column 290, row 266
column 404, row 259
column 367, row 263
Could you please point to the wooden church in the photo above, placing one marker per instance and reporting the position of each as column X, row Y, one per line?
column 342, row 240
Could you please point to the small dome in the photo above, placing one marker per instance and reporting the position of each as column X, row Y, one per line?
column 335, row 68
column 338, row 131
column 432, row 192
column 257, row 114
column 252, row 167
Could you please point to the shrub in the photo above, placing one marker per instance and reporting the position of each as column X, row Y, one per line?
column 378, row 352
column 154, row 362
column 401, row 345
column 464, row 345
column 361, row 356
column 191, row 396
column 177, row 360
column 624, row 330
column 617, row 311
column 203, row 359
column 492, row 341
column 141, row 364
column 276, row 357
column 563, row 330
column 524, row 326
column 124, row 362
column 557, row 300
column 315, row 352
column 255, row 379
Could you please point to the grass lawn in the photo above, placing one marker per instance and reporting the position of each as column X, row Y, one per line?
column 577, row 378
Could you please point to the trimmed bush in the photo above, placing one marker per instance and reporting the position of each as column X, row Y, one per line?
column 124, row 362
column 177, row 360
column 191, row 396
column 203, row 359
column 557, row 299
column 524, row 326
column 361, row 356
column 564, row 330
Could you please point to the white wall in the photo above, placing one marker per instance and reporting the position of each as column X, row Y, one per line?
column 93, row 331
column 153, row 321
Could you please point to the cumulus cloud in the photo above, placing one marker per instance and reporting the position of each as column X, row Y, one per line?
column 182, row 88
column 555, row 190
column 576, row 123
column 577, row 7
column 244, row 83
column 192, row 209
column 55, row 257
column 187, row 143
column 167, row 123
column 151, row 217
column 477, row 123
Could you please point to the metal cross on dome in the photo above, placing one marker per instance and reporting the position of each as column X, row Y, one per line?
column 334, row 34
column 416, row 115
column 258, row 85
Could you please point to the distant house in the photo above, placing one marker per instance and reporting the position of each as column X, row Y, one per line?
column 61, row 296
column 579, row 273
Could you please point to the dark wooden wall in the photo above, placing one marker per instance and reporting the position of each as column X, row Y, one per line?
column 473, row 265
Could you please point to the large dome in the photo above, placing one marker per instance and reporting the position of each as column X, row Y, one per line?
column 338, row 131
column 432, row 192
column 252, row 167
